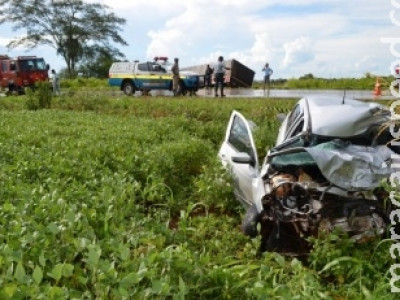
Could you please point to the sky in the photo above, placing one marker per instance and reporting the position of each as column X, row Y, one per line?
column 327, row 38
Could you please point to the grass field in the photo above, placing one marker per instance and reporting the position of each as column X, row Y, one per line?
column 124, row 198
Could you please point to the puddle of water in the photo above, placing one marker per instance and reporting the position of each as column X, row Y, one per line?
column 241, row 92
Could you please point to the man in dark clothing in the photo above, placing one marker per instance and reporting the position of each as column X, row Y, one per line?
column 207, row 76
column 220, row 70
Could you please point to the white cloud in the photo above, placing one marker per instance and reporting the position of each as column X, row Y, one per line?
column 297, row 52
column 165, row 43
column 323, row 37
column 261, row 48
column 4, row 41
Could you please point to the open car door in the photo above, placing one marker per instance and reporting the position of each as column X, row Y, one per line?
column 238, row 154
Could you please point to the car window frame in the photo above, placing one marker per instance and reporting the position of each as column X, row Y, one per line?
column 296, row 128
column 296, row 122
column 152, row 70
column 140, row 67
column 247, row 127
column 239, row 138
column 4, row 66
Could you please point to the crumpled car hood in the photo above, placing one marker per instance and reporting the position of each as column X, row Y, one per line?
column 352, row 167
column 345, row 165
column 344, row 120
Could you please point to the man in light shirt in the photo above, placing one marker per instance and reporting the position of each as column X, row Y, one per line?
column 267, row 74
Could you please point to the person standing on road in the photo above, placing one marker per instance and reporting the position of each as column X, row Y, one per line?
column 175, row 77
column 220, row 70
column 207, row 76
column 55, row 82
column 267, row 75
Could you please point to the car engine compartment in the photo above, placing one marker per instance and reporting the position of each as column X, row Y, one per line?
column 299, row 206
column 334, row 185
column 328, row 172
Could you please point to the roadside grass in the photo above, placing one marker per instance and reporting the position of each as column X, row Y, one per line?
column 364, row 83
column 124, row 198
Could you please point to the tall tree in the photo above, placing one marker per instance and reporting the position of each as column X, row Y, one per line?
column 74, row 28
column 97, row 63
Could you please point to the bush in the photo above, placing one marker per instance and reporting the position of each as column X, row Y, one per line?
column 40, row 97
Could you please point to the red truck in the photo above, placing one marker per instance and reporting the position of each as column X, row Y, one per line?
column 21, row 72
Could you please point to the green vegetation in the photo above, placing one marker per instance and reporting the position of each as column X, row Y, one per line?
column 305, row 82
column 123, row 198
column 40, row 97
column 310, row 82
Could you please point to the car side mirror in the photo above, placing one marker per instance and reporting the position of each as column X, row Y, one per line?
column 243, row 158
column 281, row 117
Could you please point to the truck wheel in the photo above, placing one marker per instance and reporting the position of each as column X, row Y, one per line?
column 128, row 88
column 250, row 220
column 181, row 89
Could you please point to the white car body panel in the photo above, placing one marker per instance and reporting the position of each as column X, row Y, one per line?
column 249, row 187
column 324, row 173
column 335, row 123
column 244, row 175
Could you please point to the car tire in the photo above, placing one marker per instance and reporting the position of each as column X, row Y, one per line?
column 250, row 221
column 128, row 88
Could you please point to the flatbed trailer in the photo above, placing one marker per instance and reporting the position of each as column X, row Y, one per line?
column 239, row 75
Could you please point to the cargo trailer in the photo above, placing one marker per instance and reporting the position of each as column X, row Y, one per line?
column 239, row 75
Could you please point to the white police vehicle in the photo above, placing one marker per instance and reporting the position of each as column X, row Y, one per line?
column 151, row 75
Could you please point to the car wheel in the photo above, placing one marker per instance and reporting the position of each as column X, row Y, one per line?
column 128, row 88
column 250, row 220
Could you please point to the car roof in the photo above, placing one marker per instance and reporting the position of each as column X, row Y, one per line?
column 342, row 117
column 122, row 66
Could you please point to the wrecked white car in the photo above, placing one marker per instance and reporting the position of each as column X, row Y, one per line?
column 325, row 172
